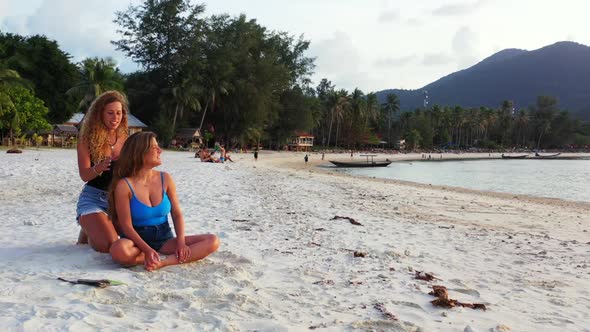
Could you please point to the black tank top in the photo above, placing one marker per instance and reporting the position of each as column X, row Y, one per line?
column 103, row 181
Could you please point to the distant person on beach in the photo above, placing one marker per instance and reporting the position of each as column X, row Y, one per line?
column 206, row 156
column 140, row 200
column 103, row 132
column 256, row 155
column 323, row 155
column 226, row 156
column 306, row 158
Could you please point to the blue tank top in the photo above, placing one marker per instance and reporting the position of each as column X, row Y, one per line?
column 143, row 215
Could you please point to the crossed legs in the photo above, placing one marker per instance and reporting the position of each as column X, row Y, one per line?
column 125, row 252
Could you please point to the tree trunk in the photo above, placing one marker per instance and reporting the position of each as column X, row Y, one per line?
column 203, row 117
column 330, row 129
column 174, row 119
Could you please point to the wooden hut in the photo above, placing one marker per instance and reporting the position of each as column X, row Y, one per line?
column 188, row 138
column 63, row 135
column 133, row 123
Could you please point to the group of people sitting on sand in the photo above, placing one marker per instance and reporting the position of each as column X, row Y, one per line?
column 211, row 157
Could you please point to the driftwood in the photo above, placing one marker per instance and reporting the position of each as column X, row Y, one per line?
column 352, row 221
column 387, row 314
column 324, row 282
column 424, row 276
column 443, row 299
column 360, row 254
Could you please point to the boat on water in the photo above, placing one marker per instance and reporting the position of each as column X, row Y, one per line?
column 522, row 156
column 548, row 156
column 369, row 162
column 360, row 163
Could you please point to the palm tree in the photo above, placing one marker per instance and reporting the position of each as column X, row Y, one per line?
column 522, row 120
column 10, row 78
column 216, row 88
column 97, row 76
column 338, row 103
column 505, row 118
column 184, row 96
column 544, row 115
column 371, row 109
column 390, row 107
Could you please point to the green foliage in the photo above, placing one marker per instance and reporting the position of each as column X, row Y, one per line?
column 48, row 70
column 161, row 35
column 581, row 140
column 230, row 69
column 163, row 128
column 25, row 112
column 413, row 139
column 37, row 139
column 294, row 114
column 96, row 76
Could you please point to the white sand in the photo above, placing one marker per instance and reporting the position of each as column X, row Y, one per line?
column 284, row 265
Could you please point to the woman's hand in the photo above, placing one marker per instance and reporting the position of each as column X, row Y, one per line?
column 151, row 259
column 102, row 166
column 182, row 251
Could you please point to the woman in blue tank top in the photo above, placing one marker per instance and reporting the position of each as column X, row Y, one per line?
column 140, row 200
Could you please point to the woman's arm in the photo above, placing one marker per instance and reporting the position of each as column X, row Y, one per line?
column 176, row 213
column 183, row 251
column 86, row 171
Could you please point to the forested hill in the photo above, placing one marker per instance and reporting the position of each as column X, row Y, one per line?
column 561, row 70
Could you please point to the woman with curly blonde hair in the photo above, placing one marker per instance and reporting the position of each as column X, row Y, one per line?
column 104, row 130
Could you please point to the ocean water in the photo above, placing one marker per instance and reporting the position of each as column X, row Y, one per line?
column 565, row 179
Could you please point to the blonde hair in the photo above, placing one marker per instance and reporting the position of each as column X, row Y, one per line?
column 94, row 132
column 129, row 164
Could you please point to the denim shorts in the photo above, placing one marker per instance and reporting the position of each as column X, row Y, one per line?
column 154, row 236
column 92, row 200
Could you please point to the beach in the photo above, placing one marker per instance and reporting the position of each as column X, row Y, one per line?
column 301, row 249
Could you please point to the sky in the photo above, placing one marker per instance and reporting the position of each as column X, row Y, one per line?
column 372, row 45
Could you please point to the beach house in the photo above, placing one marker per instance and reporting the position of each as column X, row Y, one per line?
column 134, row 123
column 65, row 134
column 188, row 138
column 301, row 141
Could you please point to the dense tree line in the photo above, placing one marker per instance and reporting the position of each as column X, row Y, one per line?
column 243, row 84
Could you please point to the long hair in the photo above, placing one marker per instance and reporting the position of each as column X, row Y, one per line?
column 129, row 164
column 94, row 133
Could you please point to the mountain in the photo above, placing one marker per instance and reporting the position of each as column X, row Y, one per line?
column 561, row 70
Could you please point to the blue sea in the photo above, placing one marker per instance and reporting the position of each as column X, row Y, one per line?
column 565, row 179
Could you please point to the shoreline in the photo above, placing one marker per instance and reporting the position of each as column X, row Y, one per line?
column 293, row 162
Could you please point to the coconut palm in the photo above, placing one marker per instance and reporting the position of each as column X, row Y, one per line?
column 215, row 89
column 522, row 121
column 390, row 107
column 338, row 103
column 97, row 76
column 184, row 96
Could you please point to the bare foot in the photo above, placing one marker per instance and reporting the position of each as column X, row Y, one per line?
column 82, row 237
column 164, row 261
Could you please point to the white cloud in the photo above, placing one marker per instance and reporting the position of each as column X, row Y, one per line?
column 437, row 59
column 459, row 8
column 388, row 16
column 369, row 46
column 82, row 29
column 465, row 45
column 395, row 61
column 414, row 22
column 335, row 55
